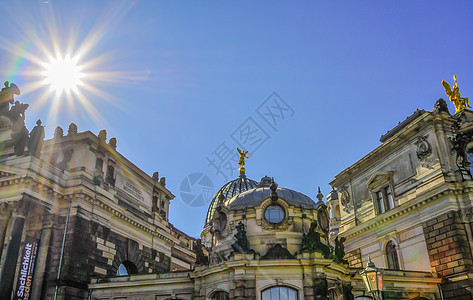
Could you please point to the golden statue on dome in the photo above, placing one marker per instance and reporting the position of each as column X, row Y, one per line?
column 241, row 161
column 459, row 102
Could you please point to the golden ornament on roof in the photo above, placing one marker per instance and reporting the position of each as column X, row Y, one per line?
column 459, row 102
column 241, row 161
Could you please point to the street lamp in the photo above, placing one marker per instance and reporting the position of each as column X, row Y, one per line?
column 373, row 280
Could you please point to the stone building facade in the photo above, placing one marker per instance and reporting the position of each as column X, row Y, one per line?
column 264, row 242
column 408, row 203
column 80, row 221
column 72, row 209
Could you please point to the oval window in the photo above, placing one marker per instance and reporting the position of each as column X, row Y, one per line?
column 274, row 214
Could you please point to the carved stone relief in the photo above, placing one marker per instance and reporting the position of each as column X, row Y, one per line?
column 462, row 136
column 424, row 151
column 345, row 198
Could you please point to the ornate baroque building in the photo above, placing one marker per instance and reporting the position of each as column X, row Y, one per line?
column 408, row 203
column 73, row 208
column 264, row 242
column 80, row 221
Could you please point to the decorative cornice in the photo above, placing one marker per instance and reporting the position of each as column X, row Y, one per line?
column 45, row 188
column 411, row 129
column 125, row 218
column 395, row 213
column 401, row 125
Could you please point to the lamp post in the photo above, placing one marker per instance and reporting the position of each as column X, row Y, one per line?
column 373, row 280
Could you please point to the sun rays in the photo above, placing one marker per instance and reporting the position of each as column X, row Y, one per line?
column 63, row 74
column 63, row 67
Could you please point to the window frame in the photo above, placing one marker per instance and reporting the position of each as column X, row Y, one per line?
column 281, row 209
column 217, row 295
column 381, row 187
column 277, row 287
column 266, row 224
column 384, row 199
column 130, row 268
column 392, row 256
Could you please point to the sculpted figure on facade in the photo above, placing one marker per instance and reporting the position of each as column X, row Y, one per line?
column 345, row 198
column 441, row 106
column 311, row 241
column 7, row 96
column 241, row 161
column 35, row 142
column 242, row 244
column 19, row 132
column 339, row 252
column 460, row 140
column 424, row 150
column 460, row 102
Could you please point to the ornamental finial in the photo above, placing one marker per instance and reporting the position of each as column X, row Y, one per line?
column 241, row 162
column 459, row 102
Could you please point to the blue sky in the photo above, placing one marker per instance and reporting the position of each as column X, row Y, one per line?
column 174, row 80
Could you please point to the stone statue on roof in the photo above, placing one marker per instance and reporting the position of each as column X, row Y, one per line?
column 242, row 244
column 241, row 161
column 35, row 142
column 460, row 102
column 19, row 132
column 311, row 242
column 6, row 96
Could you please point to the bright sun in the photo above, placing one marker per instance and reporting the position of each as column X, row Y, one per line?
column 63, row 74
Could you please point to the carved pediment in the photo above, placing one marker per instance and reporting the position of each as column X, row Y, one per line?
column 278, row 252
column 378, row 178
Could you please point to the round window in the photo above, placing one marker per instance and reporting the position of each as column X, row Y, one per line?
column 274, row 214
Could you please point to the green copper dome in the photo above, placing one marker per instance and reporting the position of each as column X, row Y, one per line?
column 230, row 189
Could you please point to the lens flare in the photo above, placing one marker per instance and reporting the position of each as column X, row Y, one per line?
column 63, row 66
column 63, row 74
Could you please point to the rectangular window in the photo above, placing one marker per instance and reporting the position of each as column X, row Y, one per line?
column 389, row 198
column 99, row 164
column 384, row 200
column 110, row 179
column 380, row 202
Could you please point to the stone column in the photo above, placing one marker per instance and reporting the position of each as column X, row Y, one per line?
column 244, row 289
column 7, row 277
column 308, row 283
column 42, row 256
column 4, row 218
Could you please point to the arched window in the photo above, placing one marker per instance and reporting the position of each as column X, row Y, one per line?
column 220, row 296
column 279, row 293
column 391, row 254
column 332, row 294
column 126, row 268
